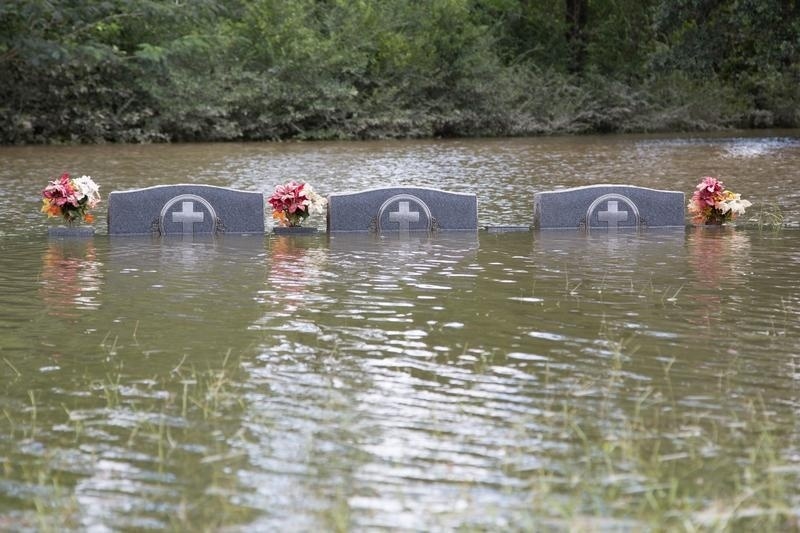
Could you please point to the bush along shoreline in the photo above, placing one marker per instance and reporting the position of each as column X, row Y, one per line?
column 250, row 70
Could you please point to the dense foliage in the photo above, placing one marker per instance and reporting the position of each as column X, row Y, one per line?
column 157, row 70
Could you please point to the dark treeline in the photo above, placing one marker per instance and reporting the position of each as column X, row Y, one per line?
column 183, row 70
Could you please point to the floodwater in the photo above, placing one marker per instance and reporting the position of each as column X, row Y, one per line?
column 479, row 381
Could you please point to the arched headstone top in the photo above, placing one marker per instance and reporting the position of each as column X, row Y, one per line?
column 608, row 207
column 185, row 209
column 402, row 209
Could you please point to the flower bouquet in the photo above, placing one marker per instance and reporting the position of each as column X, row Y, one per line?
column 712, row 204
column 71, row 198
column 293, row 202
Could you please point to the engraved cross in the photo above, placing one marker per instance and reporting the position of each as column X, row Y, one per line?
column 613, row 216
column 404, row 216
column 188, row 216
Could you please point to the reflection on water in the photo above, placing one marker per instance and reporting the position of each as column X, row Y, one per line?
column 719, row 257
column 295, row 272
column 505, row 382
column 718, row 254
column 749, row 148
column 411, row 381
column 71, row 278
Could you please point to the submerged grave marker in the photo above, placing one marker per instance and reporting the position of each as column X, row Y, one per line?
column 185, row 210
column 609, row 207
column 402, row 209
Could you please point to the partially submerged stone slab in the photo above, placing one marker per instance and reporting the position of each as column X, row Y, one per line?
column 402, row 209
column 185, row 209
column 507, row 229
column 70, row 232
column 609, row 207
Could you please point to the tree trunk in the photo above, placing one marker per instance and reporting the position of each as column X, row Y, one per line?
column 576, row 15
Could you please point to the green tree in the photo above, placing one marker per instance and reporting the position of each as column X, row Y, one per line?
column 149, row 70
column 752, row 45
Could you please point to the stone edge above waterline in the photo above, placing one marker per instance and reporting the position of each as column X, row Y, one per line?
column 138, row 211
column 361, row 211
column 568, row 208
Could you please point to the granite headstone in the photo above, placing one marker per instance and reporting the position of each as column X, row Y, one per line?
column 609, row 207
column 402, row 209
column 185, row 209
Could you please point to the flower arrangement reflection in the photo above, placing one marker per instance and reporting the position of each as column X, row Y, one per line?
column 295, row 272
column 71, row 277
column 712, row 204
column 293, row 202
column 720, row 262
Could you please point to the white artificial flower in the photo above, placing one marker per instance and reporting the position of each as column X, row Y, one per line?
column 316, row 203
column 87, row 187
column 736, row 205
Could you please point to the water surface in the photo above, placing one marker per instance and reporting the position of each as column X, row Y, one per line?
column 550, row 380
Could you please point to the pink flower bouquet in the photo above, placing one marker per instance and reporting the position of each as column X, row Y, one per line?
column 71, row 198
column 712, row 204
column 293, row 202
